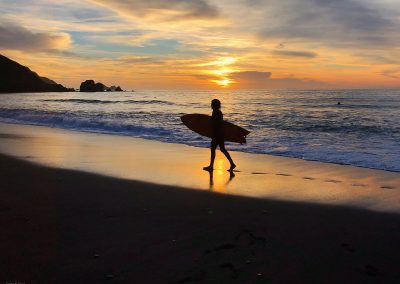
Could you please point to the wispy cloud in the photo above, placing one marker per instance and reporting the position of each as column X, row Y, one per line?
column 167, row 10
column 251, row 75
column 391, row 73
column 341, row 23
column 295, row 53
column 256, row 79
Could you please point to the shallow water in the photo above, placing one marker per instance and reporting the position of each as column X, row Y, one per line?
column 362, row 131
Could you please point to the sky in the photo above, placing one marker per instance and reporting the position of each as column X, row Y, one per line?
column 207, row 44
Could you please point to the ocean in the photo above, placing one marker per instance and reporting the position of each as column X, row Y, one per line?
column 363, row 130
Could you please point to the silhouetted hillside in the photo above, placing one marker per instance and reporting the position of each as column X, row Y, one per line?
column 15, row 78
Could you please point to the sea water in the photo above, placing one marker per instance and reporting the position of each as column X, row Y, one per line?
column 355, row 127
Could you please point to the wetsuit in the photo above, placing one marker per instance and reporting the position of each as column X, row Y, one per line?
column 217, row 130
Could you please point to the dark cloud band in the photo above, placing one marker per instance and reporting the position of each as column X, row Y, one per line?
column 16, row 37
column 295, row 53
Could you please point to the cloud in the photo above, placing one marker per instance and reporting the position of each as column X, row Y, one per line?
column 295, row 53
column 250, row 75
column 339, row 23
column 17, row 37
column 140, row 60
column 257, row 80
column 386, row 58
column 263, row 80
column 391, row 73
column 169, row 10
column 293, row 83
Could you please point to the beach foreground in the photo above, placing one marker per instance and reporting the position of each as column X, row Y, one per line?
column 257, row 175
column 64, row 226
column 91, row 208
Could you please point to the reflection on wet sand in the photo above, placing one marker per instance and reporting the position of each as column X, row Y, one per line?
column 260, row 176
column 220, row 179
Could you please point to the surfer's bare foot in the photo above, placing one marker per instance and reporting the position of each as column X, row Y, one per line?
column 209, row 168
column 233, row 166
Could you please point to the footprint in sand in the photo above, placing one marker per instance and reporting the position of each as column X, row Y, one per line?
column 248, row 236
column 332, row 181
column 195, row 277
column 231, row 268
column 217, row 261
column 348, row 247
column 309, row 178
column 371, row 270
column 223, row 247
column 258, row 173
column 358, row 184
column 284, row 175
column 387, row 187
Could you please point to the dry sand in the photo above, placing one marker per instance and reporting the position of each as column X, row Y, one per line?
column 62, row 226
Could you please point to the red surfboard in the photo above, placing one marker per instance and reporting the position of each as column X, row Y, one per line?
column 202, row 124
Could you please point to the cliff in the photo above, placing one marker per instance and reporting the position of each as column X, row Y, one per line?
column 15, row 78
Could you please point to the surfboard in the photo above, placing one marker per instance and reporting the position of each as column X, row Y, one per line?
column 202, row 124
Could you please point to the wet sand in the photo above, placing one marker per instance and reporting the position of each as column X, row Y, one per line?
column 261, row 176
column 279, row 220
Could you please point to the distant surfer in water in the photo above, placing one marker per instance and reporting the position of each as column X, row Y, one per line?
column 218, row 135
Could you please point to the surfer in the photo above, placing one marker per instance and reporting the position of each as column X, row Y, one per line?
column 218, row 135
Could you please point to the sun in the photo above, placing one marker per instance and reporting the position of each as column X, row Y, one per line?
column 223, row 83
column 221, row 70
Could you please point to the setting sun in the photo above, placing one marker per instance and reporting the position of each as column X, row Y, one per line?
column 223, row 83
column 221, row 76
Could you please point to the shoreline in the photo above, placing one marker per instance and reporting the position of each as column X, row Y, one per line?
column 67, row 226
column 261, row 176
column 233, row 150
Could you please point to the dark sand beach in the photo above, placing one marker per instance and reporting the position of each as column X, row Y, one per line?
column 93, row 208
column 65, row 226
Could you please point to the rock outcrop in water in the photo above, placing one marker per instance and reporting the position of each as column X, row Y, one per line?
column 91, row 86
column 16, row 78
column 114, row 89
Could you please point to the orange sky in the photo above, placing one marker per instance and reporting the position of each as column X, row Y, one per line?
column 207, row 44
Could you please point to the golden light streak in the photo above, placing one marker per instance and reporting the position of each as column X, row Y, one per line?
column 223, row 83
column 222, row 73
column 222, row 61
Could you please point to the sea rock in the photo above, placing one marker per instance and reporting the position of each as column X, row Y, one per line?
column 91, row 86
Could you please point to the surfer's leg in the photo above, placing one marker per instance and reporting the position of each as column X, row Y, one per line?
column 226, row 153
column 213, row 147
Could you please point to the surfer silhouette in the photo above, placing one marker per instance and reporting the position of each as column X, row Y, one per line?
column 218, row 135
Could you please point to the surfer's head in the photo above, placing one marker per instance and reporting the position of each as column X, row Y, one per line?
column 215, row 104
